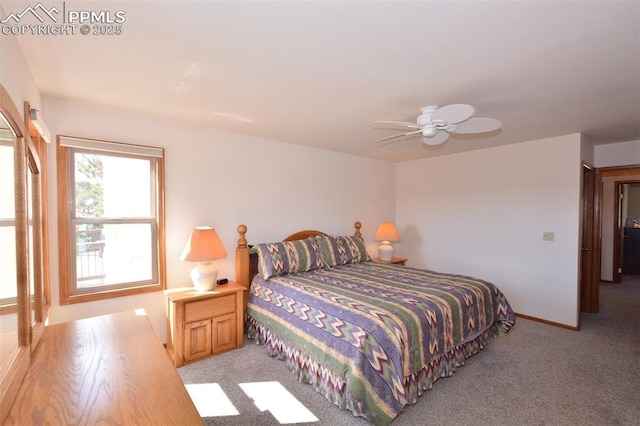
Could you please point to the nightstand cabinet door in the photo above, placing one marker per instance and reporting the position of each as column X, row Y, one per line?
column 197, row 340
column 224, row 333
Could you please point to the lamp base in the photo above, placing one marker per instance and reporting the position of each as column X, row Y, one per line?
column 385, row 251
column 203, row 276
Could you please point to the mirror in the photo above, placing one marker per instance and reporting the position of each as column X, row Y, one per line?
column 9, row 340
column 15, row 318
column 32, row 291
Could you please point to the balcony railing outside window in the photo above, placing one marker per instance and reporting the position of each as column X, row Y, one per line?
column 90, row 258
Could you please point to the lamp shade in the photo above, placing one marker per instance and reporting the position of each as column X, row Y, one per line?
column 204, row 245
column 387, row 232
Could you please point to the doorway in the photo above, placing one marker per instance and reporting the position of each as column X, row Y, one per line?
column 602, row 251
column 627, row 236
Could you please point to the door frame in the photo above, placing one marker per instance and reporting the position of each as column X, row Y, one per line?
column 592, row 285
column 618, row 230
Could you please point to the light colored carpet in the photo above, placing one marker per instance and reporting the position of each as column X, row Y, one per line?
column 536, row 374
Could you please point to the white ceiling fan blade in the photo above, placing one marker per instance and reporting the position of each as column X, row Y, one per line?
column 398, row 123
column 396, row 136
column 452, row 114
column 440, row 137
column 478, row 125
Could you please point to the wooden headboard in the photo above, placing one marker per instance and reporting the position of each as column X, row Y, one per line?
column 247, row 265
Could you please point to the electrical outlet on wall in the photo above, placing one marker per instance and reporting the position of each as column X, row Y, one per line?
column 548, row 236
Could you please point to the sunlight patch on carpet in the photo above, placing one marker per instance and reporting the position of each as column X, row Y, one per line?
column 210, row 400
column 273, row 397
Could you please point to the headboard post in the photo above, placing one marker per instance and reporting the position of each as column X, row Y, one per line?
column 242, row 258
column 358, row 225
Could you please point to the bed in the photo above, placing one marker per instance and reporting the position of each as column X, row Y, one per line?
column 371, row 337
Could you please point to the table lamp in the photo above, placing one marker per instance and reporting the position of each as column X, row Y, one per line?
column 203, row 247
column 386, row 234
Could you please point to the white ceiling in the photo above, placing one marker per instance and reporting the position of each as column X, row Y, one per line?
column 318, row 73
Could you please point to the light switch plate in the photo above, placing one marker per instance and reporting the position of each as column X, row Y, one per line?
column 548, row 236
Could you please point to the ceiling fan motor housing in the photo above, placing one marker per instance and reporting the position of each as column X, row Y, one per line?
column 429, row 131
column 424, row 121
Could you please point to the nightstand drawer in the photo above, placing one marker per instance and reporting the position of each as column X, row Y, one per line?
column 202, row 309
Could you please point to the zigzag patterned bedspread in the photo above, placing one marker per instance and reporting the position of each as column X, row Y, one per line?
column 373, row 337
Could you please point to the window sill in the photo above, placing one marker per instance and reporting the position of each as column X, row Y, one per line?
column 109, row 294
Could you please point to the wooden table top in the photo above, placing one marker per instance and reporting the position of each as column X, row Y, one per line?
column 110, row 369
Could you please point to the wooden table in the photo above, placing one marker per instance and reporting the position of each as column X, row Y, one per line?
column 110, row 369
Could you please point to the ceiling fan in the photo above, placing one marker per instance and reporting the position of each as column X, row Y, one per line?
column 435, row 124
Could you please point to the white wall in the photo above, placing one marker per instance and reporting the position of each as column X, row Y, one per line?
column 223, row 180
column 483, row 213
column 617, row 154
column 15, row 74
column 587, row 151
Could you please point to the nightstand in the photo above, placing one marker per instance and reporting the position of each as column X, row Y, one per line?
column 394, row 260
column 204, row 323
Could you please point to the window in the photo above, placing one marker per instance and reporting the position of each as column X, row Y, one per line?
column 8, row 293
column 110, row 199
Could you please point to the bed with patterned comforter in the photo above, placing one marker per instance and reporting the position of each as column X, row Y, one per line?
column 374, row 337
